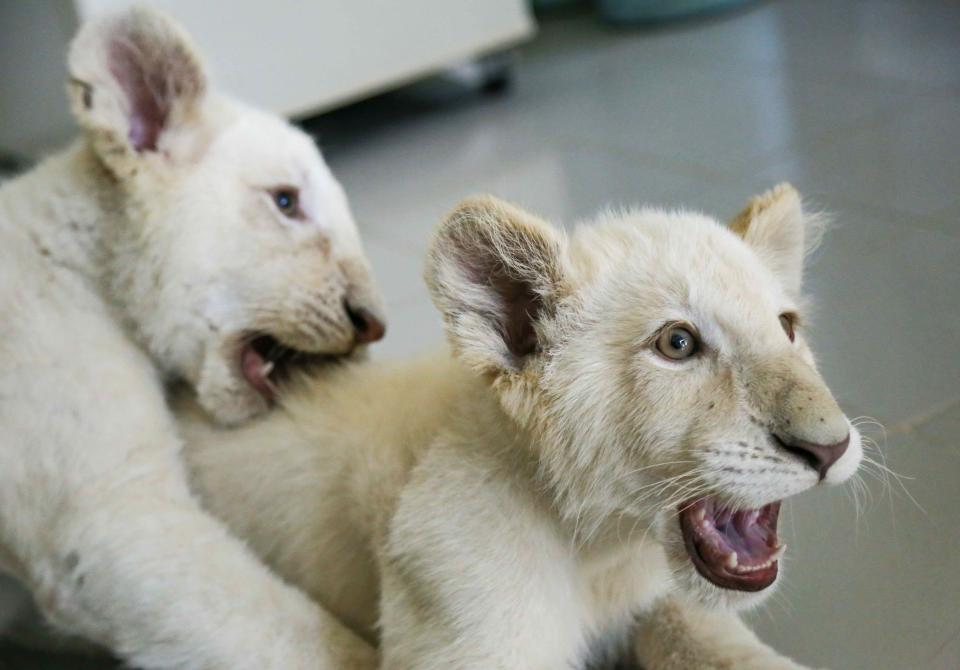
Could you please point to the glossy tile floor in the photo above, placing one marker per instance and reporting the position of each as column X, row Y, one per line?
column 858, row 104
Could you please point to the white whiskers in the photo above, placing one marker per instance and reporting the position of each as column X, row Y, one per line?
column 875, row 465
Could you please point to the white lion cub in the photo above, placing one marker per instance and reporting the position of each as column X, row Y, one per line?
column 184, row 236
column 623, row 412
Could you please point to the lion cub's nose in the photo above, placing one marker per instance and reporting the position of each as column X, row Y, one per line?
column 820, row 457
column 367, row 327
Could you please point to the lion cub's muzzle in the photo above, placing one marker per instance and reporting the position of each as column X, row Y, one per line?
column 268, row 359
column 820, row 457
column 802, row 416
column 367, row 327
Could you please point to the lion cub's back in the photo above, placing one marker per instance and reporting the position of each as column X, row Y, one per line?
column 312, row 487
column 375, row 419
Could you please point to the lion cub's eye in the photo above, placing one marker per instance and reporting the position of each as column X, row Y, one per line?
column 677, row 341
column 787, row 322
column 287, row 200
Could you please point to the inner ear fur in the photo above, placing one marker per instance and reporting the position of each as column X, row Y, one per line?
column 134, row 77
column 495, row 272
column 775, row 225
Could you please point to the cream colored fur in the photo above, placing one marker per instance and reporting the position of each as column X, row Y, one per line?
column 510, row 506
column 147, row 252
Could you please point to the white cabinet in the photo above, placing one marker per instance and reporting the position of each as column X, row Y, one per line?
column 294, row 57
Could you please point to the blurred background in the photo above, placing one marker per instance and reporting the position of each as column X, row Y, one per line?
column 569, row 107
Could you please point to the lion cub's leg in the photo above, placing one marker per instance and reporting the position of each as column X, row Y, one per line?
column 683, row 636
column 96, row 518
column 474, row 577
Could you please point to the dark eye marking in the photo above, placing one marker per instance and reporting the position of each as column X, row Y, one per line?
column 287, row 200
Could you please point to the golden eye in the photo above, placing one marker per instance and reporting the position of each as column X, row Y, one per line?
column 787, row 323
column 677, row 341
column 287, row 200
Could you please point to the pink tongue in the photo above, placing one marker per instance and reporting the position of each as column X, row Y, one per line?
column 253, row 366
column 745, row 535
column 748, row 538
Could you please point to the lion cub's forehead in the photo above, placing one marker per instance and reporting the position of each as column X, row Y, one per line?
column 263, row 152
column 261, row 146
column 662, row 265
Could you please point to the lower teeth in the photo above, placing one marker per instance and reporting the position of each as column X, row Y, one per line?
column 733, row 561
column 754, row 568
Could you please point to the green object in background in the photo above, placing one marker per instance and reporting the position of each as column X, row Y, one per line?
column 547, row 5
column 652, row 11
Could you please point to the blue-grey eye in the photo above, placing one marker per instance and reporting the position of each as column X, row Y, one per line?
column 677, row 341
column 287, row 200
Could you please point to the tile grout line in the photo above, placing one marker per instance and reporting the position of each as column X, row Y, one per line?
column 910, row 424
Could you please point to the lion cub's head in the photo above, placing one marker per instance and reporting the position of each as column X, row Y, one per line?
column 659, row 362
column 233, row 254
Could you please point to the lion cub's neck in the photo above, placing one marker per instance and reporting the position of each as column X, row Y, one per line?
column 63, row 213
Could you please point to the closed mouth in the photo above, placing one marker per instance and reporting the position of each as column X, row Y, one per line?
column 734, row 550
column 265, row 363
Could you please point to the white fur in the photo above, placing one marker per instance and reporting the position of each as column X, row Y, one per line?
column 147, row 252
column 510, row 506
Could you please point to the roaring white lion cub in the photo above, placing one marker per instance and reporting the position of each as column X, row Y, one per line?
column 623, row 412
column 184, row 236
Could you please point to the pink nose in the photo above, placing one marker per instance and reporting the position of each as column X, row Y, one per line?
column 367, row 328
column 820, row 457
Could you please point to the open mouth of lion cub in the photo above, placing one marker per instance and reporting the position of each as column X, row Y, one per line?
column 265, row 363
column 734, row 550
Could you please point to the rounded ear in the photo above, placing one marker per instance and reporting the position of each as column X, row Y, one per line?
column 780, row 233
column 495, row 272
column 135, row 81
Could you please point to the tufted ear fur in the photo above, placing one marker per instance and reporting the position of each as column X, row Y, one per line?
column 779, row 231
column 136, row 86
column 495, row 272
